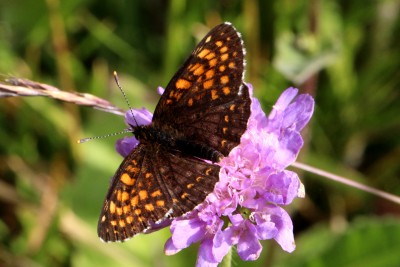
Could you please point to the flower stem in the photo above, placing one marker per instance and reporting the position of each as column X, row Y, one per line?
column 227, row 260
column 347, row 181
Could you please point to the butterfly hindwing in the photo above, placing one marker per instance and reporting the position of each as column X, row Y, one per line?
column 151, row 185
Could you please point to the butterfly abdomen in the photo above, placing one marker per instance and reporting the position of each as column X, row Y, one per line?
column 175, row 141
column 199, row 150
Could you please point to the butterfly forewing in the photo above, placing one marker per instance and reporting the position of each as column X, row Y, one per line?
column 205, row 106
column 206, row 100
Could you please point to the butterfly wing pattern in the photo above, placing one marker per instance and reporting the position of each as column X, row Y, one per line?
column 199, row 119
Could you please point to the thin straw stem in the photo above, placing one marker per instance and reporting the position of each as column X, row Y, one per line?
column 346, row 181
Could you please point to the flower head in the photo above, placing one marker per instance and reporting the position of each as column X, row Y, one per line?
column 253, row 185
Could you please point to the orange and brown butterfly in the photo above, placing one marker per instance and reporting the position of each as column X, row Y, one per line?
column 199, row 119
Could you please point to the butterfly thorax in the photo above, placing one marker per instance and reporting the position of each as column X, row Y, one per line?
column 173, row 140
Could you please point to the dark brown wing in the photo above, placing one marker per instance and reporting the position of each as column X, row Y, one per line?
column 206, row 101
column 151, row 185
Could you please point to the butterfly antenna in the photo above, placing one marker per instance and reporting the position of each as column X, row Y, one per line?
column 84, row 140
column 123, row 93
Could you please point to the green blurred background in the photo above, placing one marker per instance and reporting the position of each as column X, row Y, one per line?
column 345, row 53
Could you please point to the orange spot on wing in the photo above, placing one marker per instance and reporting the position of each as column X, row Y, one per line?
column 156, row 193
column 183, row 84
column 143, row 194
column 208, row 84
column 213, row 62
column 138, row 211
column 134, row 170
column 224, row 57
column 224, row 79
column 210, row 56
column 199, row 70
column 129, row 219
column 119, row 195
column 219, row 43
column 193, row 67
column 112, row 207
column 124, row 196
column 134, row 201
column 126, row 179
column 203, row 53
column 223, row 49
column 223, row 143
column 214, row 94
column 210, row 74
column 149, row 207
column 126, row 209
column 226, row 90
column 119, row 211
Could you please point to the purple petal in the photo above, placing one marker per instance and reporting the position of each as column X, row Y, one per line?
column 170, row 248
column 133, row 117
column 205, row 257
column 222, row 199
column 249, row 248
column 281, row 188
column 276, row 116
column 257, row 118
column 160, row 90
column 289, row 147
column 186, row 232
column 221, row 245
column 138, row 117
column 248, row 198
column 125, row 145
column 298, row 113
column 284, row 100
column 266, row 230
column 284, row 224
column 236, row 219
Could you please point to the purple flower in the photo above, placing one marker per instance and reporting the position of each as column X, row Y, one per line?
column 253, row 185
column 132, row 117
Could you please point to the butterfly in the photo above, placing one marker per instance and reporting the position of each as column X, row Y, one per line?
column 198, row 120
